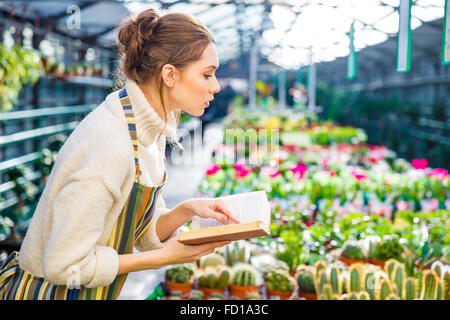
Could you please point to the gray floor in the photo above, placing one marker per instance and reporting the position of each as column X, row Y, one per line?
column 184, row 175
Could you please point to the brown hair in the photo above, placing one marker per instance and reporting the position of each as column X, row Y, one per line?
column 148, row 41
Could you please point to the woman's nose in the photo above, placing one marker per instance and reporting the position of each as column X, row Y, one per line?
column 216, row 87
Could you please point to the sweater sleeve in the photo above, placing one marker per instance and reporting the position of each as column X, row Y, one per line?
column 78, row 225
column 150, row 240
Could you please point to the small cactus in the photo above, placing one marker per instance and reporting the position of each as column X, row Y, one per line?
column 398, row 277
column 335, row 280
column 305, row 279
column 438, row 267
column 364, row 295
column 320, row 265
column 430, row 282
column 211, row 260
column 410, row 290
column 384, row 289
column 214, row 277
column 245, row 274
column 389, row 267
column 353, row 296
column 237, row 252
column 443, row 272
column 328, row 292
column 355, row 279
column 393, row 296
column 180, row 273
column 321, row 281
column 224, row 274
column 279, row 279
column 353, row 251
column 370, row 281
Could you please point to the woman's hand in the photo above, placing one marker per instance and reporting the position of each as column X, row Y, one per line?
column 210, row 208
column 171, row 253
column 175, row 252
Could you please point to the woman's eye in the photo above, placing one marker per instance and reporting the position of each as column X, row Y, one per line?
column 207, row 76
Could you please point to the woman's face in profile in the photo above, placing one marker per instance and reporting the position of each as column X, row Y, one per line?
column 197, row 84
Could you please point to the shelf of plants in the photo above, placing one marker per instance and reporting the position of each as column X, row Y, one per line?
column 350, row 221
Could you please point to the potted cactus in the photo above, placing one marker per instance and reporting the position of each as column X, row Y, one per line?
column 279, row 283
column 213, row 279
column 211, row 260
column 245, row 280
column 305, row 281
column 179, row 277
column 388, row 248
column 352, row 253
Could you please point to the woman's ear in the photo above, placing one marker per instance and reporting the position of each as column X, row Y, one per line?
column 169, row 74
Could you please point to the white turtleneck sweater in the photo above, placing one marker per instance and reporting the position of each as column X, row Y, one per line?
column 87, row 189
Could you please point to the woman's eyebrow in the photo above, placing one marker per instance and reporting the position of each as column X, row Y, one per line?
column 211, row 67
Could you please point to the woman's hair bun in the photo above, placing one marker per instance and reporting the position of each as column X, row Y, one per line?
column 137, row 28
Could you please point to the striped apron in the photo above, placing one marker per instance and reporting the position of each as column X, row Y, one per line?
column 133, row 221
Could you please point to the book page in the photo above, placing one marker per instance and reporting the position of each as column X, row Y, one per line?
column 248, row 207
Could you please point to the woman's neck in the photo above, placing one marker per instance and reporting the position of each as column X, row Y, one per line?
column 152, row 95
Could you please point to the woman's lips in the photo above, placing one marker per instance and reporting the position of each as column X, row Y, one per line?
column 206, row 104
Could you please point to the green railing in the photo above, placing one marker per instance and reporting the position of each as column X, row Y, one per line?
column 33, row 134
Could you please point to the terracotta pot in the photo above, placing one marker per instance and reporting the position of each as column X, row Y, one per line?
column 209, row 291
column 376, row 262
column 283, row 295
column 242, row 291
column 349, row 261
column 184, row 288
column 307, row 295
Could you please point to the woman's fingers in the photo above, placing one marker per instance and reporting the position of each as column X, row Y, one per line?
column 218, row 216
column 220, row 205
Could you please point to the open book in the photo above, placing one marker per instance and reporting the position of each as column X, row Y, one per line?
column 252, row 210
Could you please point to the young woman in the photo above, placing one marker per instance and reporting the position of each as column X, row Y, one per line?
column 103, row 195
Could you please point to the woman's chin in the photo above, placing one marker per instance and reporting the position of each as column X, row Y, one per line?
column 196, row 113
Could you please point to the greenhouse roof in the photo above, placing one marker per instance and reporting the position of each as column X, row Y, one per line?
column 293, row 33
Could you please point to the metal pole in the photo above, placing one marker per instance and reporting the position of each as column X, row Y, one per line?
column 253, row 71
column 312, row 87
column 282, row 88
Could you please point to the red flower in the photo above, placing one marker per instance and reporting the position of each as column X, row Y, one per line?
column 419, row 163
column 332, row 173
column 374, row 159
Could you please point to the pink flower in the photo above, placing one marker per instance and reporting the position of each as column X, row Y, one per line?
column 290, row 148
column 439, row 173
column 271, row 172
column 434, row 204
column 359, row 175
column 242, row 173
column 402, row 206
column 332, row 173
column 299, row 171
column 240, row 164
column 419, row 163
column 211, row 170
